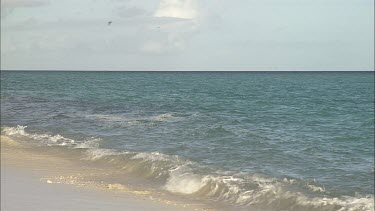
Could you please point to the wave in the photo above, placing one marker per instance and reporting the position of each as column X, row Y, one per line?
column 42, row 138
column 121, row 119
column 182, row 176
column 185, row 177
column 89, row 143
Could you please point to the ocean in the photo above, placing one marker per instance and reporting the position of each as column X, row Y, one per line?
column 248, row 140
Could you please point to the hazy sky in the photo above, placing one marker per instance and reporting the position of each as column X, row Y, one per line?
column 187, row 34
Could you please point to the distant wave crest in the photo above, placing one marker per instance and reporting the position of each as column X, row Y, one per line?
column 131, row 120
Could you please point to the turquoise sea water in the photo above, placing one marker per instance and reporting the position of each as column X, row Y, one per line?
column 269, row 140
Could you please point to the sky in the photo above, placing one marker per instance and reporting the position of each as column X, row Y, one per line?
column 187, row 35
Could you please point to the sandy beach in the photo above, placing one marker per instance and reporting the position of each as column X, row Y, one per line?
column 33, row 181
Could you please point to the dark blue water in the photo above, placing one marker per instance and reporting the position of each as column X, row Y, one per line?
column 311, row 133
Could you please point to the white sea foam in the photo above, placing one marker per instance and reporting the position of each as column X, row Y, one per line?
column 158, row 165
column 44, row 138
column 107, row 117
column 164, row 117
column 267, row 192
column 153, row 156
column 96, row 153
column 181, row 180
column 89, row 144
column 19, row 130
column 315, row 188
column 131, row 120
column 290, row 181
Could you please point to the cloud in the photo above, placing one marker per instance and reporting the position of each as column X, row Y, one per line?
column 169, row 39
column 130, row 12
column 7, row 6
column 178, row 21
column 11, row 4
column 185, row 9
column 152, row 47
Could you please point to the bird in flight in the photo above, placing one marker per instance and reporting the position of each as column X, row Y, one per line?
column 109, row 23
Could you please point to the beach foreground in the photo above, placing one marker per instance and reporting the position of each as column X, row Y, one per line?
column 29, row 182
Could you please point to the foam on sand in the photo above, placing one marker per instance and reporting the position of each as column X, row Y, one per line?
column 5, row 140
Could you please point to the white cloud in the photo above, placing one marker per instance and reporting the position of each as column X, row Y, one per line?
column 185, row 9
column 22, row 3
column 173, row 35
column 186, row 34
column 130, row 12
column 152, row 47
column 7, row 6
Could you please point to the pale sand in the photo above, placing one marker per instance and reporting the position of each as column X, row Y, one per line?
column 26, row 185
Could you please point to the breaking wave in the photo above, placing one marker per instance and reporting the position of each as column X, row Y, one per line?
column 182, row 176
column 41, row 138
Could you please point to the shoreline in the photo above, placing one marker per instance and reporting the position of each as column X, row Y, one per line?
column 101, row 175
column 38, row 181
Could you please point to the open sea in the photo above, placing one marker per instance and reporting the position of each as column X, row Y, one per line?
column 247, row 140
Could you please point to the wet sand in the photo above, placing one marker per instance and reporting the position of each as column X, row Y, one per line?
column 32, row 181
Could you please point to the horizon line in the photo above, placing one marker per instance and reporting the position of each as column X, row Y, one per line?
column 61, row 70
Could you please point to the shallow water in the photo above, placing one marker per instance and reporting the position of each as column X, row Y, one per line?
column 294, row 141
